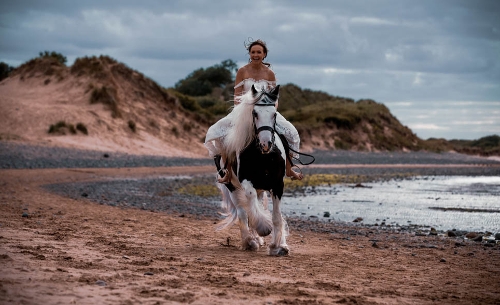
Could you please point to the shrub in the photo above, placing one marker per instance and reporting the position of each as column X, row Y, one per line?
column 82, row 128
column 61, row 127
column 5, row 70
column 106, row 96
column 132, row 126
column 202, row 81
column 175, row 131
column 60, row 58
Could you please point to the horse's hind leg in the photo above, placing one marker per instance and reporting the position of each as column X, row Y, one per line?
column 278, row 246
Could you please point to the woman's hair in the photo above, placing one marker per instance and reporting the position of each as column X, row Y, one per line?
column 258, row 42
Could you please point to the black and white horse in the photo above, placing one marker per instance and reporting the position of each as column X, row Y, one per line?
column 258, row 159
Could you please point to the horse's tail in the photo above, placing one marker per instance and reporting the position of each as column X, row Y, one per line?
column 258, row 218
column 231, row 214
column 227, row 203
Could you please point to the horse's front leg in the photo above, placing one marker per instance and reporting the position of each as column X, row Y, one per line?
column 248, row 241
column 278, row 246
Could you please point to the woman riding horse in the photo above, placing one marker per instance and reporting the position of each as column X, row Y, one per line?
column 258, row 74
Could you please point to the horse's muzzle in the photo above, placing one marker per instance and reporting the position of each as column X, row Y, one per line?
column 266, row 148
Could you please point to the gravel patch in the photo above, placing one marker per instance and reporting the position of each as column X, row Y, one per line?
column 20, row 155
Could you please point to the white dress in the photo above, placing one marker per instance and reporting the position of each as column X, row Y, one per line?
column 220, row 129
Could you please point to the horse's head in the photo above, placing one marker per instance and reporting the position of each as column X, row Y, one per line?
column 264, row 117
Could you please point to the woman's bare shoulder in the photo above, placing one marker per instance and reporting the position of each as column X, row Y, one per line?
column 270, row 74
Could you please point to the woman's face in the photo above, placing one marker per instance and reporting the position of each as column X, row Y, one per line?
column 257, row 53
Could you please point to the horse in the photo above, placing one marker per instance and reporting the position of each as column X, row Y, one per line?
column 257, row 157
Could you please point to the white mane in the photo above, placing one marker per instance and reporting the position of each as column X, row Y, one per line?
column 240, row 134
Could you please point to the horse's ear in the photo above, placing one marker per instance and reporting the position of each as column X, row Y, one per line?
column 276, row 91
column 254, row 91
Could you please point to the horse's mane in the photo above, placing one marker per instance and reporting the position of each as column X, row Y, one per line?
column 240, row 135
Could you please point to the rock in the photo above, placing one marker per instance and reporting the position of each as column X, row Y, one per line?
column 106, row 155
column 420, row 233
column 479, row 238
column 442, row 260
column 375, row 245
column 100, row 283
column 451, row 234
column 433, row 232
column 85, row 195
column 326, row 214
column 497, row 236
column 471, row 235
column 149, row 273
column 246, row 274
column 26, row 215
column 358, row 219
column 489, row 245
column 457, row 244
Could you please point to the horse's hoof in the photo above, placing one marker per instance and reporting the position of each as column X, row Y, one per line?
column 251, row 245
column 279, row 251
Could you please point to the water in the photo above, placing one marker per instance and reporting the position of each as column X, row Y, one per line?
column 443, row 202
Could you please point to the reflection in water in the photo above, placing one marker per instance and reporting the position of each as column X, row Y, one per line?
column 443, row 202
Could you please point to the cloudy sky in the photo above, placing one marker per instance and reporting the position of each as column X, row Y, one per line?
column 434, row 64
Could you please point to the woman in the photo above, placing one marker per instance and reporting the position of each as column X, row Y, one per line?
column 257, row 73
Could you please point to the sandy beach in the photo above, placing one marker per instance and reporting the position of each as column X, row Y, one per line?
column 58, row 250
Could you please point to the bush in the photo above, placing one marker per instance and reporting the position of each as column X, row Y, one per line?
column 5, row 70
column 106, row 96
column 202, row 81
column 82, row 128
column 61, row 127
column 132, row 126
column 60, row 58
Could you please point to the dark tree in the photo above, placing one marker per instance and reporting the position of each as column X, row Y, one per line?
column 5, row 70
column 202, row 81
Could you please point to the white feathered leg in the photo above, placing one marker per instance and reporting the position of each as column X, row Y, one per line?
column 278, row 246
column 259, row 218
column 237, row 206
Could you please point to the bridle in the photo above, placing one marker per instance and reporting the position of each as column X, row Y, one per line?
column 267, row 100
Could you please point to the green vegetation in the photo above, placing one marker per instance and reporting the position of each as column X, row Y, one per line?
column 82, row 128
column 106, row 96
column 58, row 56
column 485, row 146
column 63, row 128
column 5, row 70
column 202, row 81
column 132, row 126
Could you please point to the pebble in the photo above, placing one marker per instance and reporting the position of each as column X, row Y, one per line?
column 100, row 283
column 442, row 260
column 25, row 215
column 497, row 236
column 149, row 273
column 326, row 214
column 471, row 235
column 358, row 219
